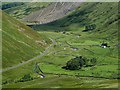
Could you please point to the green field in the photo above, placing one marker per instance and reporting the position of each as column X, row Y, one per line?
column 66, row 40
column 104, row 74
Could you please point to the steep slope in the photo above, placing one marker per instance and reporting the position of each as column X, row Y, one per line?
column 21, row 9
column 19, row 42
column 54, row 11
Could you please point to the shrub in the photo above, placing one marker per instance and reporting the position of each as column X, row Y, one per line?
column 89, row 27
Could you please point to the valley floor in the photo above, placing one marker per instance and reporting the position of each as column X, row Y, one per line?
column 68, row 45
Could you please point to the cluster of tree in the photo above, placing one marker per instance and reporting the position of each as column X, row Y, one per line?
column 79, row 62
column 89, row 28
column 9, row 5
column 25, row 78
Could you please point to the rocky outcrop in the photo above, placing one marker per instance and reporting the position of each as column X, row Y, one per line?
column 54, row 11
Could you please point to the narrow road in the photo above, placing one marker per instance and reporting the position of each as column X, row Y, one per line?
column 16, row 66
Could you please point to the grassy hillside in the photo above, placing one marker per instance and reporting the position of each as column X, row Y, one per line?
column 21, row 9
column 20, row 43
column 71, row 41
column 103, row 15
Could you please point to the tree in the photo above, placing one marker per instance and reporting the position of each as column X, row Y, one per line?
column 93, row 61
column 76, row 63
column 26, row 77
column 104, row 44
column 82, row 61
column 89, row 27
column 73, row 65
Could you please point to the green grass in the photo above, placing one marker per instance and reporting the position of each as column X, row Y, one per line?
column 106, row 68
column 62, row 81
column 20, row 41
column 87, row 77
column 103, row 14
column 103, row 75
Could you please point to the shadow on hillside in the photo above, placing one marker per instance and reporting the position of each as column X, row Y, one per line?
column 47, row 27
